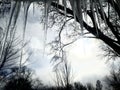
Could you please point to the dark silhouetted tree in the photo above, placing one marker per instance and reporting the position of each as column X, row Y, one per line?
column 22, row 82
column 90, row 86
column 19, row 84
column 98, row 85
column 37, row 84
column 113, row 80
column 79, row 86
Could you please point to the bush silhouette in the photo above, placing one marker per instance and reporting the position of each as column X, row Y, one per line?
column 113, row 80
column 79, row 86
column 18, row 84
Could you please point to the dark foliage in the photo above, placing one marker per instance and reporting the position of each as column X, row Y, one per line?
column 99, row 85
column 18, row 84
column 113, row 80
column 79, row 86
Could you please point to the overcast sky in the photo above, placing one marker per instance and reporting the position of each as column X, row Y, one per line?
column 86, row 65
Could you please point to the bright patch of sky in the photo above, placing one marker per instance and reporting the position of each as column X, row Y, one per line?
column 85, row 61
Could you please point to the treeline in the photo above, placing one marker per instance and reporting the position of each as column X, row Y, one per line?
column 14, row 79
column 22, row 80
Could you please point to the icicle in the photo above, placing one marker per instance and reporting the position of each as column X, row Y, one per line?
column 85, row 8
column 74, row 13
column 57, row 3
column 26, row 8
column 109, row 10
column 102, row 10
column 73, row 5
column 97, row 13
column 26, row 5
column 65, row 11
column 33, row 8
column 79, row 15
column 45, row 26
column 47, row 4
column 94, row 16
column 65, row 6
column 77, row 11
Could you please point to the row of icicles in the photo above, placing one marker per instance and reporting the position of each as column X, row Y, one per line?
column 79, row 8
